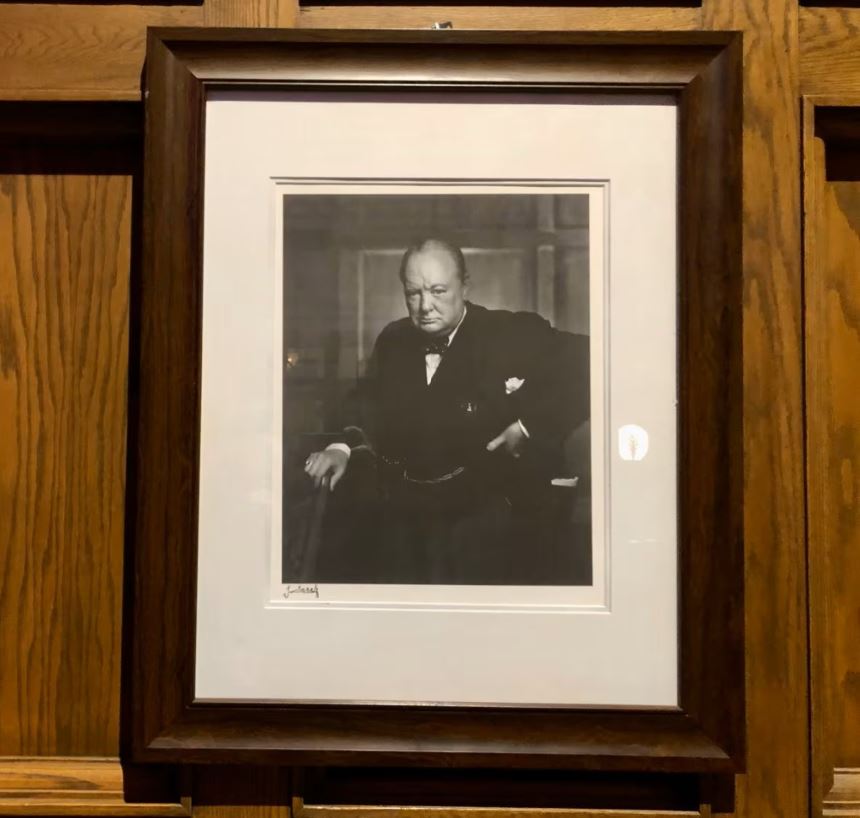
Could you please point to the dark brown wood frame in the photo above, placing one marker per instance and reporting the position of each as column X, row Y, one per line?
column 161, row 721
column 509, row 3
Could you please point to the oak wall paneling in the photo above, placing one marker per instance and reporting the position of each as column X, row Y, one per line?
column 776, row 781
column 65, row 221
column 76, row 52
column 64, row 254
column 66, row 191
column 829, row 51
column 256, row 14
column 72, row 786
column 832, row 292
column 71, row 51
column 830, row 77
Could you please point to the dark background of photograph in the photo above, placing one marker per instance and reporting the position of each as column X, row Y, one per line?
column 342, row 255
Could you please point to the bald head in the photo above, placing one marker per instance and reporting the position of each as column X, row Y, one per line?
column 439, row 248
column 433, row 273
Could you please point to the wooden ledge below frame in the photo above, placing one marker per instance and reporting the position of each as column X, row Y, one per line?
column 51, row 786
column 302, row 810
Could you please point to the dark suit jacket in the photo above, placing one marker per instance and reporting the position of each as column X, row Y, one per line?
column 430, row 430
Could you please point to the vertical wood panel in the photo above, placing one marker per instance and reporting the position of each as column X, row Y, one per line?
column 64, row 257
column 821, row 772
column 776, row 782
column 832, row 291
column 835, row 360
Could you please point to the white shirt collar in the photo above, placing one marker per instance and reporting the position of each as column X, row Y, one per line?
column 459, row 324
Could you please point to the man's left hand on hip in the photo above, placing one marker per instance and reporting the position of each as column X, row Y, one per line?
column 512, row 440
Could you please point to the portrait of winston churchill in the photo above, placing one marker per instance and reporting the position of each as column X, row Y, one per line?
column 446, row 462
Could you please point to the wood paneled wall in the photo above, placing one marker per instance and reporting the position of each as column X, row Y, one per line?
column 832, row 256
column 835, row 367
column 71, row 51
column 829, row 55
column 65, row 222
column 775, row 594
column 66, row 227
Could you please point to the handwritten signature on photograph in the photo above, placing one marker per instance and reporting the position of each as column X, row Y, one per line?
column 302, row 590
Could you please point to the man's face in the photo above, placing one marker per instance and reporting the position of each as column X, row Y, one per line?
column 434, row 293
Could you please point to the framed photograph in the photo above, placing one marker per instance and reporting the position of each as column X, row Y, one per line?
column 435, row 423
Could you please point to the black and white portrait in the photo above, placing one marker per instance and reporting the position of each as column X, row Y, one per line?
column 436, row 389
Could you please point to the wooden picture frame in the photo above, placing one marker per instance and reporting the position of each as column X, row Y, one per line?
column 162, row 721
column 515, row 3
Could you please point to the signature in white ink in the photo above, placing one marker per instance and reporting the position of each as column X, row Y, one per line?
column 302, row 590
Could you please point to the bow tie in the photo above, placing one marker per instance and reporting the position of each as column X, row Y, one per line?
column 438, row 346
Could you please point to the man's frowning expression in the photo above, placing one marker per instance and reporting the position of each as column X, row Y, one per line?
column 434, row 289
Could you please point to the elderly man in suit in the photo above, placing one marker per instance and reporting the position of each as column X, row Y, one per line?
column 465, row 411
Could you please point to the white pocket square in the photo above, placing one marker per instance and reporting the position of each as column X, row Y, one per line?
column 512, row 384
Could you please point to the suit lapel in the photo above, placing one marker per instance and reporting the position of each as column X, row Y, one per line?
column 457, row 364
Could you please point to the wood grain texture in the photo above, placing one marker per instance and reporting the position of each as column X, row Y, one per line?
column 77, row 52
column 821, row 773
column 536, row 19
column 70, row 786
column 829, row 51
column 173, row 163
column 242, row 13
column 832, row 254
column 710, row 479
column 834, row 420
column 235, row 792
column 776, row 782
column 665, row 60
column 302, row 810
column 64, row 257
